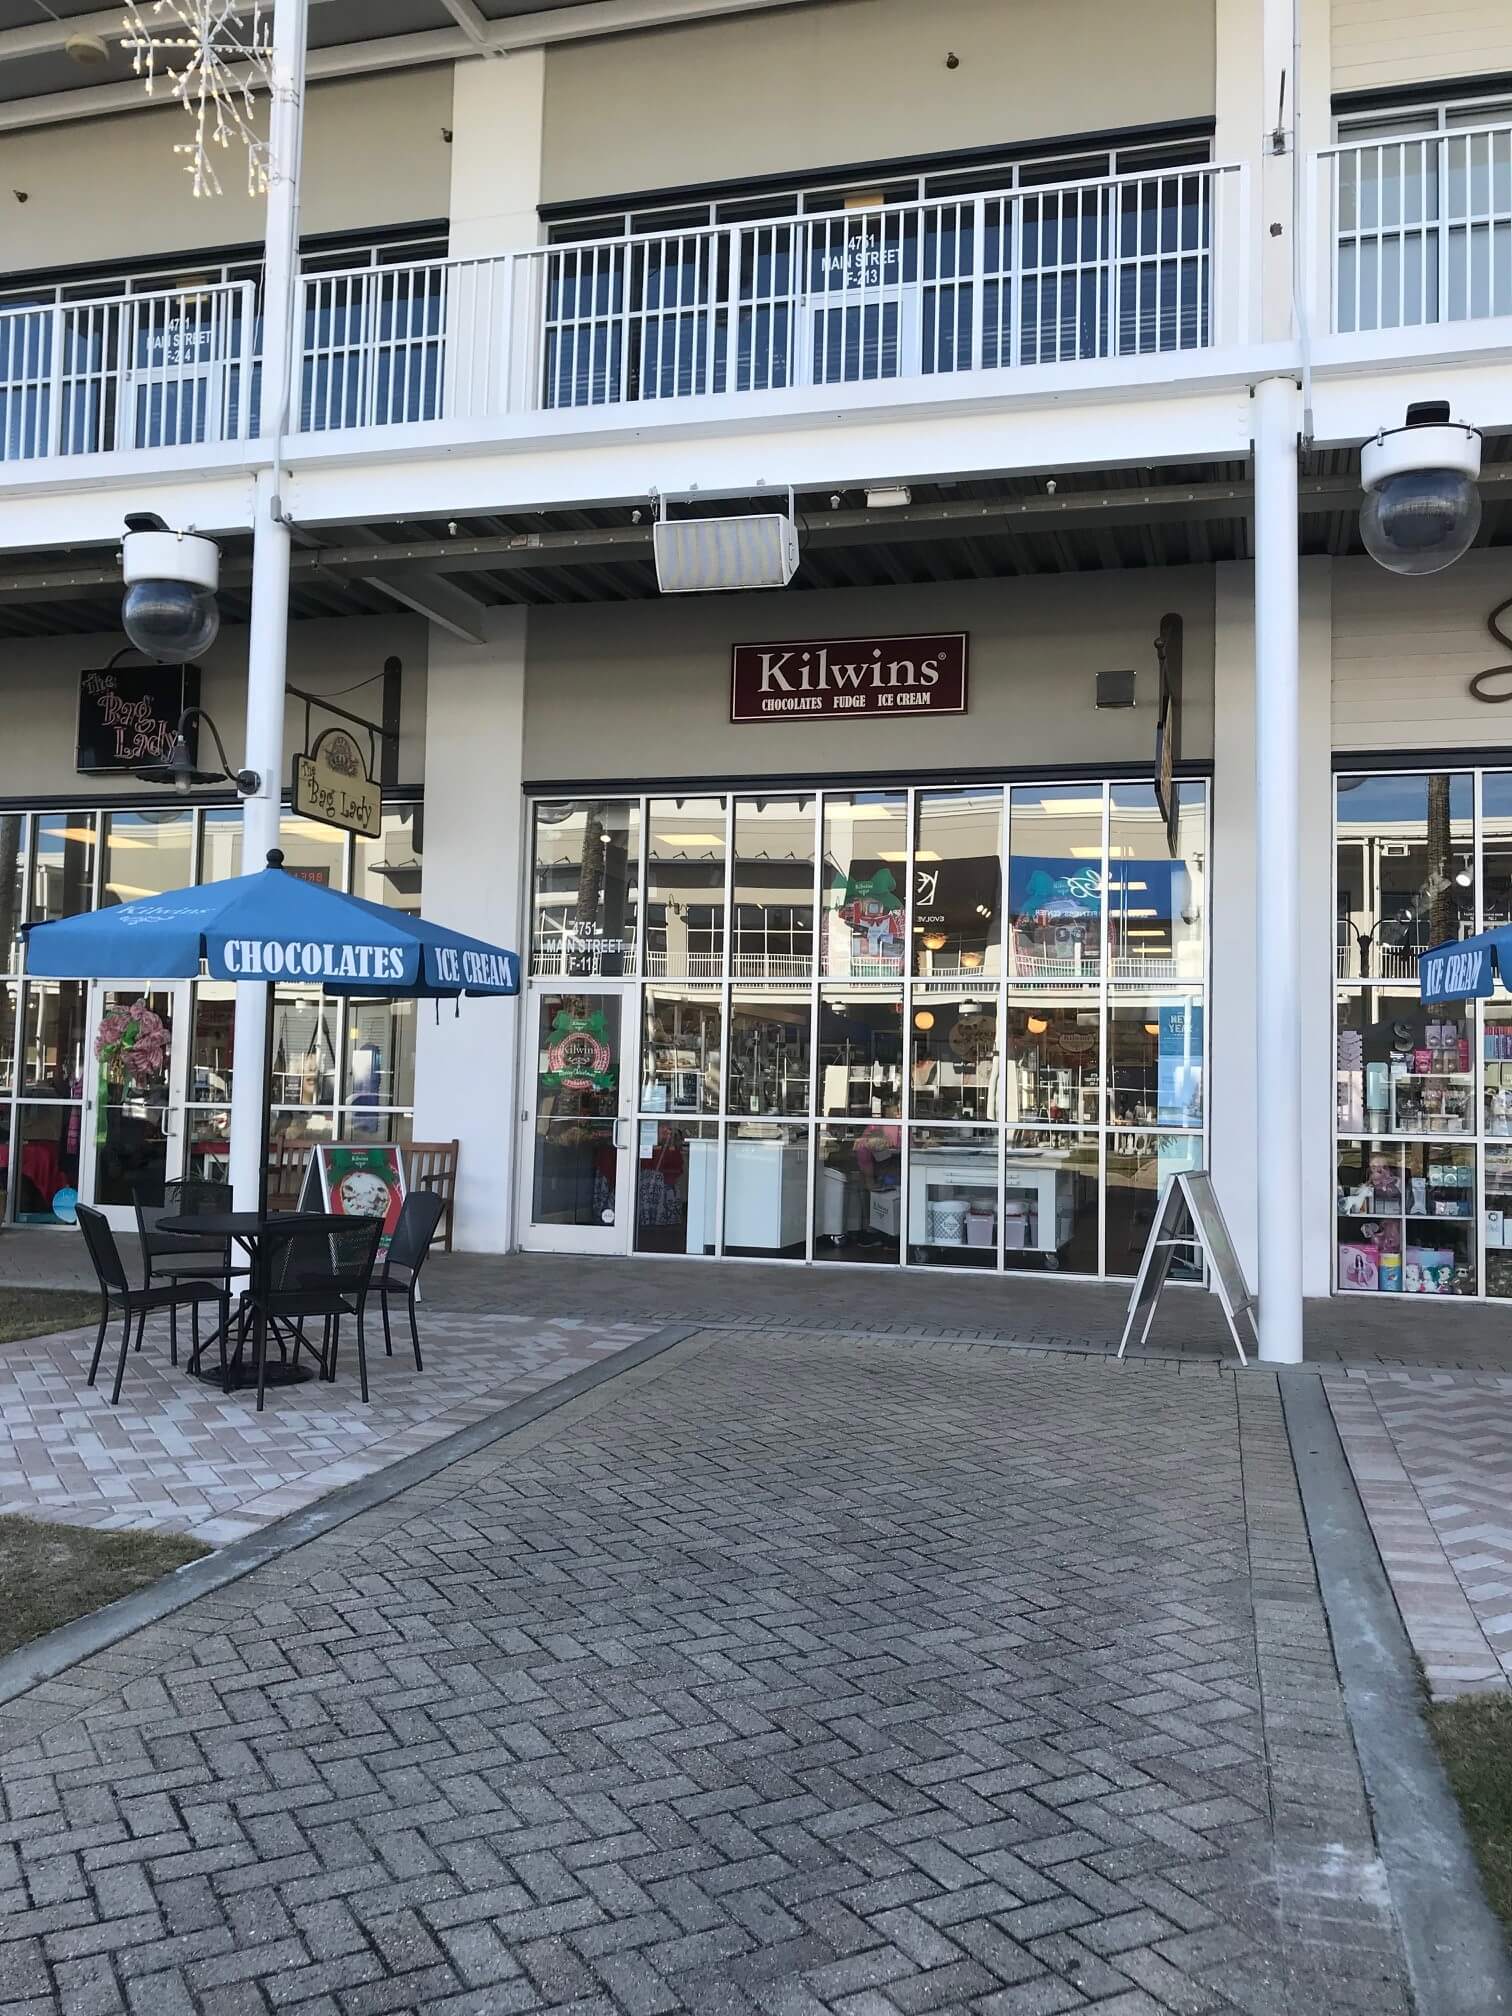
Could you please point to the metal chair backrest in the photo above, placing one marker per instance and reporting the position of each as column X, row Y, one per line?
column 157, row 1244
column 419, row 1215
column 193, row 1196
column 319, row 1255
column 104, row 1254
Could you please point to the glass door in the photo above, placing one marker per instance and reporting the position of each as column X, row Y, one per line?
column 578, row 1193
column 134, row 1071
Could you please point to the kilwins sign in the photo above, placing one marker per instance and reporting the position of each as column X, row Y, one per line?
column 849, row 678
column 332, row 784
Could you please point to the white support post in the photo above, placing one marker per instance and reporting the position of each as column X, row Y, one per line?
column 268, row 634
column 1278, row 758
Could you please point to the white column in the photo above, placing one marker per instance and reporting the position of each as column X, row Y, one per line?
column 1278, row 756
column 1317, row 927
column 268, row 633
column 466, row 1057
column 498, row 116
column 1236, row 903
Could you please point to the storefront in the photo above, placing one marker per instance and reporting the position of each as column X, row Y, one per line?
column 907, row 1024
column 1423, row 1119
column 73, row 1122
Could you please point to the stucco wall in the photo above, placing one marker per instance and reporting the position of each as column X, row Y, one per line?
column 862, row 80
column 642, row 689
column 39, row 689
column 113, row 189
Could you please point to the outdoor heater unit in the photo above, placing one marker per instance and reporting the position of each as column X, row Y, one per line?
column 695, row 556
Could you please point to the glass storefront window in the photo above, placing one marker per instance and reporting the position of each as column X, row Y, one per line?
column 954, row 1070
column 818, row 1042
column 1050, row 1200
column 220, row 844
column 380, row 1036
column 388, row 870
column 363, row 1123
column 858, row 1193
column 1155, row 1062
column 865, row 878
column 1406, row 1218
column 958, row 882
column 1155, row 903
column 9, row 1003
column 12, row 887
column 1055, row 882
column 146, row 854
column 304, row 1034
column 685, row 887
column 860, row 1053
column 63, row 857
column 676, row 1186
column 207, row 1144
column 586, row 887
column 953, row 1196
column 1406, row 872
column 1403, row 1068
column 314, row 852
column 52, row 1064
column 1139, row 1166
column 766, row 1190
column 680, row 1054
column 768, row 1066
column 1054, row 1057
column 212, row 1042
column 1497, row 1213
column 301, row 1127
column 774, row 889
column 48, row 1140
column 579, row 1058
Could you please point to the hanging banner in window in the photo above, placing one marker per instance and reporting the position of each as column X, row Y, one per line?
column 332, row 784
column 130, row 716
column 849, row 679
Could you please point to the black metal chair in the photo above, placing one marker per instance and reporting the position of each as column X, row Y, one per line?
column 110, row 1271
column 309, row 1267
column 183, row 1256
column 419, row 1215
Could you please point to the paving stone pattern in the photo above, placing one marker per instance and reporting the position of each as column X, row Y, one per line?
column 775, row 1674
column 179, row 1455
column 1429, row 1455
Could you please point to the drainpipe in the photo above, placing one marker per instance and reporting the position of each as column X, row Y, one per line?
column 268, row 635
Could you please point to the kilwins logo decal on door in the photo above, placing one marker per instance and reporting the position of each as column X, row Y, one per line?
column 849, row 678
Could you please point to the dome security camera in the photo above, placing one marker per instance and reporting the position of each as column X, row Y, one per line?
column 170, row 612
column 1422, row 508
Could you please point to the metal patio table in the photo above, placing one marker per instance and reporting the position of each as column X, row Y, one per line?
column 247, row 1229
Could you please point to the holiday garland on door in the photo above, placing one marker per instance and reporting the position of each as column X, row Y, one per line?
column 131, row 1046
column 212, row 61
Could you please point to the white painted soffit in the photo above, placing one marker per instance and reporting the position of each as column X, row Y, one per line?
column 472, row 34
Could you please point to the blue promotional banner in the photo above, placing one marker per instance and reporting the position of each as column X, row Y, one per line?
column 1179, row 1088
column 1464, row 970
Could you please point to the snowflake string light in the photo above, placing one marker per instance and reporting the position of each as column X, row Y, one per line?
column 201, row 46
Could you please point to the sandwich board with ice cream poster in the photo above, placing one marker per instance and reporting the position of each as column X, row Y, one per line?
column 357, row 1180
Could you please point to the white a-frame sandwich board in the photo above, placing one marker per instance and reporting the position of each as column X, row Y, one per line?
column 1188, row 1220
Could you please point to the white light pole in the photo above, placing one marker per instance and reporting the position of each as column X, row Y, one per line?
column 1278, row 854
column 268, row 635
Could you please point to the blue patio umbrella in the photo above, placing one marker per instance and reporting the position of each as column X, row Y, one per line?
column 271, row 927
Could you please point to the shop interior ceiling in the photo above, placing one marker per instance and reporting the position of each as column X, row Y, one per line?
column 1087, row 522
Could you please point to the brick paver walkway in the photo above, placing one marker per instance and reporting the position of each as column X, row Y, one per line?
column 179, row 1455
column 1430, row 1455
column 776, row 1674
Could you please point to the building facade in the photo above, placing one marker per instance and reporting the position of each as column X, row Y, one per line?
column 855, row 928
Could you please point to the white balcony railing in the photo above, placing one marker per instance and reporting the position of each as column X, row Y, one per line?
column 135, row 371
column 1125, row 267
column 1419, row 229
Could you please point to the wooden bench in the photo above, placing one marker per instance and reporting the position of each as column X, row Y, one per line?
column 287, row 1163
column 432, row 1165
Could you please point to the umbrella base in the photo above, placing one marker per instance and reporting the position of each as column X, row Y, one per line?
column 244, row 1373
